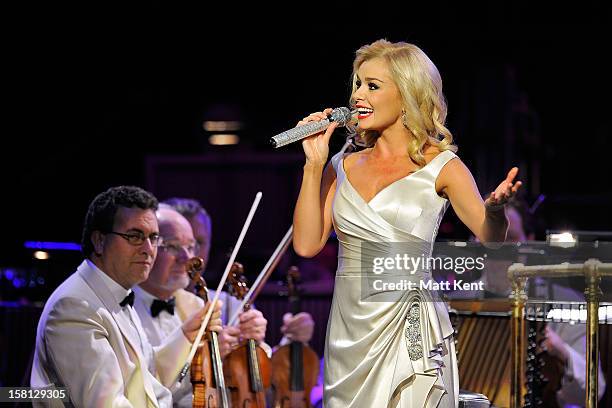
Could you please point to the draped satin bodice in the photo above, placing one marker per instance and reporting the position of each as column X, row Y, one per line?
column 407, row 210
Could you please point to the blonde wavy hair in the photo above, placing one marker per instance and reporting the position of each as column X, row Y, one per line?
column 420, row 87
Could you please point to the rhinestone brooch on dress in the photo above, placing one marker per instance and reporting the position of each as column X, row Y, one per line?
column 413, row 333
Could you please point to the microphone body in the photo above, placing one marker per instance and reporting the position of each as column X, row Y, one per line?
column 341, row 115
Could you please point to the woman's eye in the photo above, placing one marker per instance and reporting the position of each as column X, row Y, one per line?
column 357, row 84
column 372, row 86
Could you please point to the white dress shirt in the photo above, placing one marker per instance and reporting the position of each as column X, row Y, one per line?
column 119, row 293
column 159, row 327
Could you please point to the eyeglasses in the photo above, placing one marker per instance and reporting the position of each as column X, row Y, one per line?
column 138, row 238
column 175, row 248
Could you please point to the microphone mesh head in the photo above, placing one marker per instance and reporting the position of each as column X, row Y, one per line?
column 341, row 115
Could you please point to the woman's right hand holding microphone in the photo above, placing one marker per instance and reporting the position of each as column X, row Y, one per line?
column 316, row 147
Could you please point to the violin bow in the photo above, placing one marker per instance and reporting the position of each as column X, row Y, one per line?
column 264, row 274
column 198, row 338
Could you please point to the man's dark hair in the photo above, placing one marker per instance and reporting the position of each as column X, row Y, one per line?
column 101, row 213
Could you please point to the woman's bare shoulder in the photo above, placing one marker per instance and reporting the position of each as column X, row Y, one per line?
column 352, row 157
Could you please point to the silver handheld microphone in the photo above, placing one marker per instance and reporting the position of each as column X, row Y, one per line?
column 341, row 115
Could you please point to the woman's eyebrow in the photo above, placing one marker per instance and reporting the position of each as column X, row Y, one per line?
column 371, row 79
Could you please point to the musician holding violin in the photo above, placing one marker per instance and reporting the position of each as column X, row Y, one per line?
column 298, row 327
column 162, row 303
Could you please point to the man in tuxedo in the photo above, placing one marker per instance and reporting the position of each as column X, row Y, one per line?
column 89, row 338
column 163, row 304
column 298, row 328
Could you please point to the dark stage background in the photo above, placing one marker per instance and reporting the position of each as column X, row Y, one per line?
column 101, row 96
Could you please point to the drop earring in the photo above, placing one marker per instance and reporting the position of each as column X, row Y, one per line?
column 404, row 120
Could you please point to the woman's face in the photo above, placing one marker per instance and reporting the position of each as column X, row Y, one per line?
column 377, row 97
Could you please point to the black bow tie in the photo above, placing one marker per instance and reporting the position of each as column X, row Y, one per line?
column 128, row 300
column 158, row 305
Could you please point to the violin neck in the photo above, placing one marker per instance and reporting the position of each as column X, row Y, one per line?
column 217, row 365
column 296, row 370
column 254, row 371
column 218, row 370
column 295, row 305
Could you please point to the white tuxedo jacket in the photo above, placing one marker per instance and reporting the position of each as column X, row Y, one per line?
column 85, row 342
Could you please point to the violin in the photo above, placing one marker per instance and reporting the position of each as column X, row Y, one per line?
column 296, row 365
column 247, row 367
column 206, row 373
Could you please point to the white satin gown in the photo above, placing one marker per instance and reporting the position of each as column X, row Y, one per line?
column 397, row 353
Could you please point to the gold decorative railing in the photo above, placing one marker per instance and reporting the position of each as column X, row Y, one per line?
column 592, row 270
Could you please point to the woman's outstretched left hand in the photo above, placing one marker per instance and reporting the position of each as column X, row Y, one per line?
column 504, row 192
